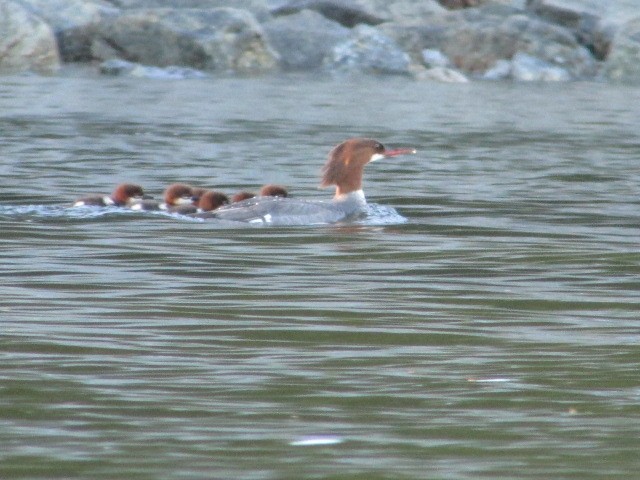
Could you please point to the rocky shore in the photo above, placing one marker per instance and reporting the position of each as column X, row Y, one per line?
column 444, row 40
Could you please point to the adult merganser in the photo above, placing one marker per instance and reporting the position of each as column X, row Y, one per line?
column 176, row 195
column 124, row 194
column 344, row 169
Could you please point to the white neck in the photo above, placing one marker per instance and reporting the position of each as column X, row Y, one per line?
column 351, row 202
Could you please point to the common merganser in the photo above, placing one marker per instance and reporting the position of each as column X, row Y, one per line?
column 124, row 194
column 241, row 196
column 194, row 207
column 344, row 169
column 176, row 195
column 197, row 193
column 271, row 190
column 210, row 201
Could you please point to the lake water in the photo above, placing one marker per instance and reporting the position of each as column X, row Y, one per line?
column 483, row 322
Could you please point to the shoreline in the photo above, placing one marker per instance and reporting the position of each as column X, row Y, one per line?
column 490, row 40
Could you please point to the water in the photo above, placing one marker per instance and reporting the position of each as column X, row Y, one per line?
column 488, row 329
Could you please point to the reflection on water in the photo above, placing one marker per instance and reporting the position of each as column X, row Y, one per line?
column 493, row 333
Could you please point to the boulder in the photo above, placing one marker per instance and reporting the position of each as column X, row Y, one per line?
column 259, row 8
column 458, row 4
column 623, row 62
column 404, row 11
column 350, row 13
column 501, row 70
column 582, row 18
column 304, row 39
column 476, row 39
column 27, row 42
column 221, row 39
column 73, row 22
column 442, row 74
column 346, row 12
column 121, row 68
column 526, row 68
column 438, row 68
column 368, row 51
column 435, row 58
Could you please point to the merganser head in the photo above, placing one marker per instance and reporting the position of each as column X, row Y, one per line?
column 271, row 190
column 178, row 194
column 125, row 193
column 196, row 194
column 240, row 196
column 211, row 200
column 345, row 166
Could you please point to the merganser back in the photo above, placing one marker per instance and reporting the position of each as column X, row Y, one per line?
column 124, row 194
column 344, row 169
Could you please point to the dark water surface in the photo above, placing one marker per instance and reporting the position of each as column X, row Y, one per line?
column 494, row 333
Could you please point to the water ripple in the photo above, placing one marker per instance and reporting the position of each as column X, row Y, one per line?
column 481, row 320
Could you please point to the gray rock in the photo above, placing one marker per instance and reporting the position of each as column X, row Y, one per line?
column 345, row 12
column 27, row 42
column 526, row 68
column 435, row 58
column 442, row 74
column 476, row 39
column 477, row 44
column 568, row 13
column 368, row 51
column 258, row 8
column 458, row 4
column 124, row 68
column 73, row 21
column 581, row 17
column 221, row 39
column 304, row 39
column 623, row 63
column 415, row 38
column 500, row 71
column 404, row 11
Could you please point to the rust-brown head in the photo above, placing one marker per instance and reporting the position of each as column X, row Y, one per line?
column 178, row 194
column 211, row 200
column 196, row 193
column 345, row 166
column 126, row 193
column 240, row 196
column 271, row 190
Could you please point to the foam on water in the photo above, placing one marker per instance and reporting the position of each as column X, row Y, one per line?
column 375, row 215
column 382, row 215
column 9, row 212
